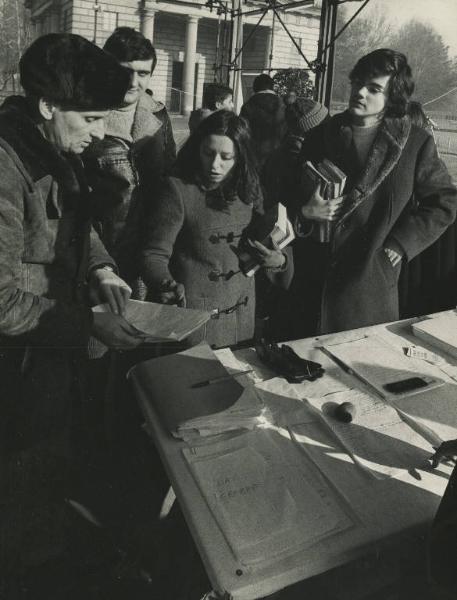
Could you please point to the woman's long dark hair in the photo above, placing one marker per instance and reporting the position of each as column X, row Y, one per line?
column 242, row 179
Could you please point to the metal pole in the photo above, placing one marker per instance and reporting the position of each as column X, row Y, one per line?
column 272, row 39
column 97, row 7
column 326, row 52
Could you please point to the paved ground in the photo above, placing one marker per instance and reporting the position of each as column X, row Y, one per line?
column 180, row 129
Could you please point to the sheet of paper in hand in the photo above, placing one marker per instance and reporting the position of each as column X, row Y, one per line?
column 161, row 322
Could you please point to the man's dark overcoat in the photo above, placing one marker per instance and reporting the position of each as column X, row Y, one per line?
column 360, row 286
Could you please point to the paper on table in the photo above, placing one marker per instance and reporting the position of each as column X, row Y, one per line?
column 234, row 365
column 435, row 412
column 377, row 363
column 439, row 331
column 268, row 499
column 161, row 322
column 184, row 406
column 377, row 438
column 284, row 404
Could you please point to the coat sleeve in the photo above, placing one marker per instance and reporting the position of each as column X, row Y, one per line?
column 169, row 144
column 98, row 255
column 28, row 319
column 164, row 222
column 436, row 198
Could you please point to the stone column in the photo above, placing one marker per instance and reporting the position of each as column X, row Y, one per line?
column 54, row 19
column 268, row 48
column 147, row 23
column 190, row 52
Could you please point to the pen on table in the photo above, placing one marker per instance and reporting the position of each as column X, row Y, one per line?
column 220, row 378
column 348, row 370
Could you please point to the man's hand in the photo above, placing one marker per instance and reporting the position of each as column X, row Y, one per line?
column 172, row 292
column 394, row 257
column 320, row 209
column 268, row 259
column 446, row 452
column 114, row 331
column 106, row 286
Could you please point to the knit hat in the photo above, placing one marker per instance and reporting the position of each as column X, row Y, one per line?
column 304, row 114
column 72, row 72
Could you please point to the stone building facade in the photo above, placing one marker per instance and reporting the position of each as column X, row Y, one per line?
column 192, row 41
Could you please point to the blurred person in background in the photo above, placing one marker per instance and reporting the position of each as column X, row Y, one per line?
column 265, row 113
column 216, row 96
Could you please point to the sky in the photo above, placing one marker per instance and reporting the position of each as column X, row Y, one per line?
column 441, row 14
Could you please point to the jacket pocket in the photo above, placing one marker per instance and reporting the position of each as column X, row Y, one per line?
column 391, row 273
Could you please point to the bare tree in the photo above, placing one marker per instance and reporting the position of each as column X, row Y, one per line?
column 363, row 35
column 15, row 35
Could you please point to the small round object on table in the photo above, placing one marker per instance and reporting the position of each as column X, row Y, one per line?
column 345, row 412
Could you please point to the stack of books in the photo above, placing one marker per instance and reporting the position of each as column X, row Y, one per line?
column 273, row 230
column 331, row 180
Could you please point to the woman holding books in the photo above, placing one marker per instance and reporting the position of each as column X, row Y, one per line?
column 397, row 201
column 195, row 225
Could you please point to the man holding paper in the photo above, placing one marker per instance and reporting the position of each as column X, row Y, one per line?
column 49, row 258
column 397, row 201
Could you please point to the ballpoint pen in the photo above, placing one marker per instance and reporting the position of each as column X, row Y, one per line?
column 220, row 378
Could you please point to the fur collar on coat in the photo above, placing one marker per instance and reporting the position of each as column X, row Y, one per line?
column 385, row 153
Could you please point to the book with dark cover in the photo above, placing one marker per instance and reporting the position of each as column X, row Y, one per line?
column 332, row 181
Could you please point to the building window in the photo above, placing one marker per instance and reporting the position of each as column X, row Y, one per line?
column 67, row 20
column 109, row 22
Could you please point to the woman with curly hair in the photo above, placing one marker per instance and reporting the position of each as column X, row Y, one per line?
column 195, row 224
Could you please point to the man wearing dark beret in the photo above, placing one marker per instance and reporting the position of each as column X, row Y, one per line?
column 50, row 260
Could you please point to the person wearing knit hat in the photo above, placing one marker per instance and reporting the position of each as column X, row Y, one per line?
column 304, row 114
column 279, row 181
column 49, row 259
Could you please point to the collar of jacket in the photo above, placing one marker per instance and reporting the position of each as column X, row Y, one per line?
column 145, row 123
column 384, row 154
column 38, row 156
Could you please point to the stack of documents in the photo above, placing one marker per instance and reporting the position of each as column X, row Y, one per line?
column 195, row 395
column 440, row 331
column 161, row 322
column 266, row 496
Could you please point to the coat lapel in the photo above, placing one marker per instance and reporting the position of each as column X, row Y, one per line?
column 382, row 158
column 145, row 123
